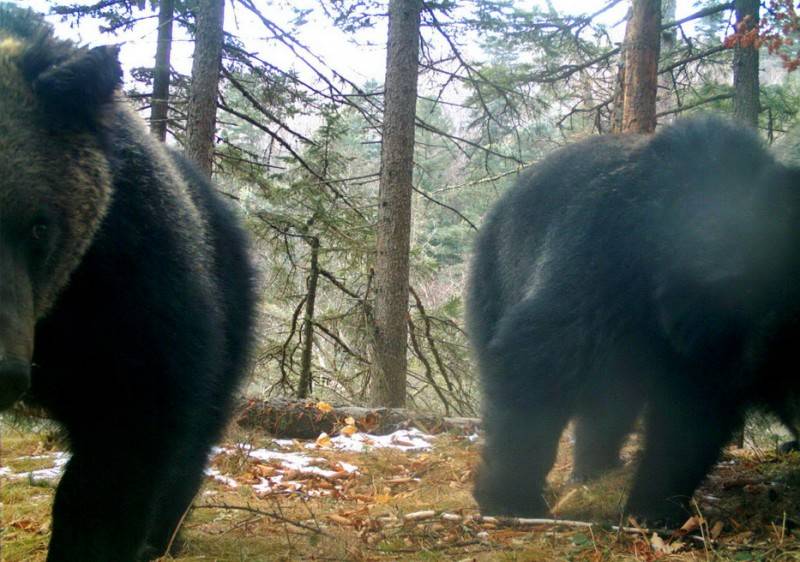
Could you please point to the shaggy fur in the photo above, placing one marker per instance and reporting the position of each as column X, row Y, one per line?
column 629, row 273
column 125, row 283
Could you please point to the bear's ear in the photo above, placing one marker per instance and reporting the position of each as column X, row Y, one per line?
column 78, row 87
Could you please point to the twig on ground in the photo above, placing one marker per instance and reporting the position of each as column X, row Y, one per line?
column 270, row 514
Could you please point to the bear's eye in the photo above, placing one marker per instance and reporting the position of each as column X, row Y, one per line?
column 39, row 232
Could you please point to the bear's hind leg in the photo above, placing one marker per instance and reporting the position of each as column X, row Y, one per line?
column 606, row 414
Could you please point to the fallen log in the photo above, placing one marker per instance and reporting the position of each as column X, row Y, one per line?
column 306, row 419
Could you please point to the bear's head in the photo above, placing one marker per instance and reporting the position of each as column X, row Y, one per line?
column 55, row 184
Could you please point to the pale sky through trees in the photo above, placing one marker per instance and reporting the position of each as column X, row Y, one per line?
column 359, row 62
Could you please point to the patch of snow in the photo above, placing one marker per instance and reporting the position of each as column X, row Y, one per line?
column 301, row 463
column 36, row 457
column 295, row 463
column 404, row 440
column 219, row 477
column 271, row 484
column 54, row 472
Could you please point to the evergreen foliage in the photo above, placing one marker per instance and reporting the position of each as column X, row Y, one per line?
column 298, row 149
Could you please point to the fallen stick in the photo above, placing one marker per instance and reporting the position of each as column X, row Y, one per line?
column 531, row 522
column 270, row 514
column 525, row 521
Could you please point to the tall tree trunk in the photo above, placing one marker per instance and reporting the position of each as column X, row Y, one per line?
column 746, row 104
column 745, row 65
column 394, row 212
column 304, row 388
column 745, row 83
column 202, row 112
column 160, row 100
column 618, row 103
column 619, row 100
column 668, row 14
column 664, row 95
column 642, row 46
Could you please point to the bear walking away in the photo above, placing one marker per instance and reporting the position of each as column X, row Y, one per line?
column 126, row 295
column 627, row 274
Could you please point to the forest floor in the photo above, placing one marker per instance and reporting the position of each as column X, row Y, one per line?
column 407, row 497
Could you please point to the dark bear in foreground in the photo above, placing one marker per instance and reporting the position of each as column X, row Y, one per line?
column 627, row 274
column 126, row 295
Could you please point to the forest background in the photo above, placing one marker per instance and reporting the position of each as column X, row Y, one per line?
column 299, row 120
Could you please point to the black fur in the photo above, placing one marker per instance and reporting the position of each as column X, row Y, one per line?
column 634, row 273
column 138, row 361
column 74, row 89
column 139, row 354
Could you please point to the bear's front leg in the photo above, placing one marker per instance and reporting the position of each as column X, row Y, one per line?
column 103, row 507
column 686, row 428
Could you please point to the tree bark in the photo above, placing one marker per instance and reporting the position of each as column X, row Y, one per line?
column 160, row 100
column 668, row 14
column 618, row 103
column 202, row 112
column 664, row 97
column 304, row 388
column 745, row 64
column 642, row 46
column 388, row 385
